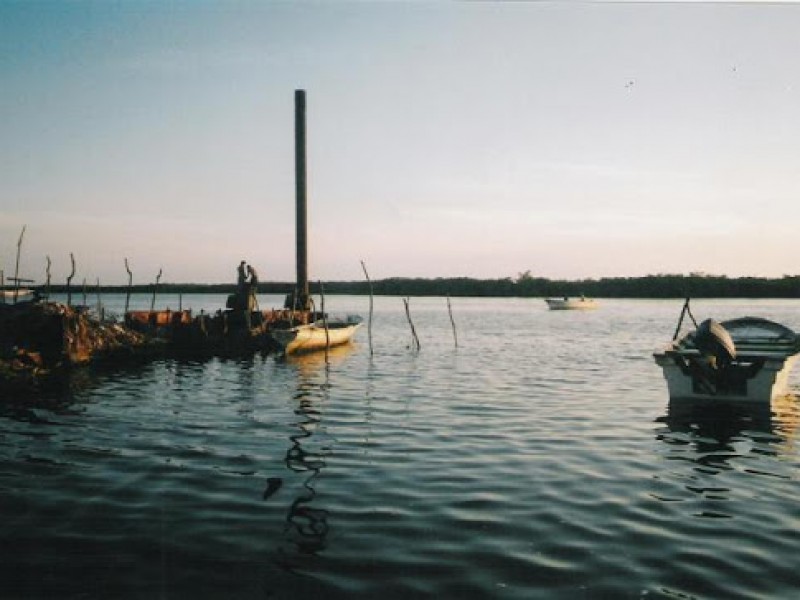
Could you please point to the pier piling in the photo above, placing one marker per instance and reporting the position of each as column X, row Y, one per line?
column 301, row 217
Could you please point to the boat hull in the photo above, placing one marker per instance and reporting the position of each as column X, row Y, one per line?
column 766, row 352
column 314, row 337
column 21, row 294
column 771, row 381
column 571, row 303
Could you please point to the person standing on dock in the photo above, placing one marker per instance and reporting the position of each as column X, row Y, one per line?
column 252, row 283
column 253, row 278
column 241, row 276
column 252, row 287
column 251, row 273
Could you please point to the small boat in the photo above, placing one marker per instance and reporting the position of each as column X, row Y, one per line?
column 567, row 303
column 18, row 296
column 21, row 292
column 744, row 359
column 318, row 335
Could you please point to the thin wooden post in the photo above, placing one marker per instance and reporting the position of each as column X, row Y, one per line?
column 452, row 321
column 130, row 283
column 369, row 323
column 99, row 301
column 324, row 316
column 689, row 312
column 16, row 268
column 69, row 279
column 684, row 311
column 155, row 288
column 410, row 322
column 47, row 281
column 84, row 292
column 293, row 308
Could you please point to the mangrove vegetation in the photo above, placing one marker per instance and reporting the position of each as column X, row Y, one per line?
column 524, row 285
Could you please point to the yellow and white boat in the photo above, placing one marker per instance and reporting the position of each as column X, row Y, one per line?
column 318, row 335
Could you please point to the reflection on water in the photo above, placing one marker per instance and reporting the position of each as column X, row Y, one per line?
column 786, row 411
column 539, row 460
column 714, row 424
column 311, row 363
column 727, row 446
column 65, row 393
column 307, row 525
column 725, row 486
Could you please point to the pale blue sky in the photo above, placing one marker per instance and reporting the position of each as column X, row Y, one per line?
column 444, row 139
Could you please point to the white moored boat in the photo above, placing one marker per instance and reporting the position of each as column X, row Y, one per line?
column 745, row 359
column 566, row 303
column 316, row 336
column 20, row 295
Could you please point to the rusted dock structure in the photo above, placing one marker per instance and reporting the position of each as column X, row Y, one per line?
column 240, row 327
column 41, row 338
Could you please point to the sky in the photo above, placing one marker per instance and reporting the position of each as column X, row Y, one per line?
column 445, row 139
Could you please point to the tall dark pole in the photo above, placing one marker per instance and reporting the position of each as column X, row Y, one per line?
column 302, row 301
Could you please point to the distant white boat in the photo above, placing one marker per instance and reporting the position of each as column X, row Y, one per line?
column 21, row 294
column 316, row 336
column 745, row 359
column 567, row 303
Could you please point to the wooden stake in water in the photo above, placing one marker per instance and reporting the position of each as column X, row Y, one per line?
column 684, row 311
column 369, row 323
column 47, row 282
column 69, row 279
column 16, row 268
column 84, row 292
column 452, row 321
column 155, row 289
column 99, row 301
column 417, row 345
column 324, row 317
column 130, row 283
column 293, row 307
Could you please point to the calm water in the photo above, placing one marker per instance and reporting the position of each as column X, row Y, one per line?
column 539, row 459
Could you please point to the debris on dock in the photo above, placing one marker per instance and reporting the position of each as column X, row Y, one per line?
column 42, row 339
column 223, row 333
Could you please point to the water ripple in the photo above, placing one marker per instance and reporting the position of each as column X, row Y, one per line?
column 550, row 467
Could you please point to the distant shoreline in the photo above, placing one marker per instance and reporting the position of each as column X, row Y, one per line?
column 651, row 286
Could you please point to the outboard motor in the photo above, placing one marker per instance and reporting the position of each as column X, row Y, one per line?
column 713, row 340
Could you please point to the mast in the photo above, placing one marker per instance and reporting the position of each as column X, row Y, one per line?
column 301, row 220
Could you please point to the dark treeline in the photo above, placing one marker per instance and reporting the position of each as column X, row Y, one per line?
column 651, row 286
